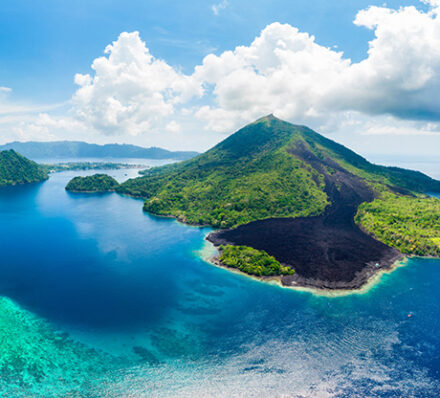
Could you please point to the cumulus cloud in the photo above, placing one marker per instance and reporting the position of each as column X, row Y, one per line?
column 287, row 72
column 401, row 75
column 173, row 127
column 130, row 90
column 283, row 71
column 44, row 125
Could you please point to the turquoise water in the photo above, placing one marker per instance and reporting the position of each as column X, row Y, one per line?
column 100, row 299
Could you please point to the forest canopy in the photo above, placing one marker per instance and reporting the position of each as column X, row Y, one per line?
column 93, row 183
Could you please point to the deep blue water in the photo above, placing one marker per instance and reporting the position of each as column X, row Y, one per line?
column 133, row 287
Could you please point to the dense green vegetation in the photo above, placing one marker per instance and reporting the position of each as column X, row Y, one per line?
column 77, row 149
column 253, row 175
column 247, row 177
column 57, row 167
column 410, row 224
column 252, row 261
column 16, row 169
column 94, row 183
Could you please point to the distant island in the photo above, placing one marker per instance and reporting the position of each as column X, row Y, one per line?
column 69, row 166
column 297, row 206
column 77, row 149
column 93, row 183
column 16, row 169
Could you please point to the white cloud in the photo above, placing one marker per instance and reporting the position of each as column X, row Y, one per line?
column 394, row 129
column 216, row 8
column 283, row 71
column 401, row 75
column 44, row 127
column 13, row 108
column 5, row 89
column 433, row 3
column 173, row 127
column 130, row 91
column 385, row 134
column 46, row 124
column 18, row 120
column 286, row 72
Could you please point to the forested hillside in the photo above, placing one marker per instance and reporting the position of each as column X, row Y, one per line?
column 269, row 168
column 16, row 169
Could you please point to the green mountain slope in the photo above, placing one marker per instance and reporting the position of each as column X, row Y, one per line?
column 16, row 169
column 269, row 168
column 248, row 176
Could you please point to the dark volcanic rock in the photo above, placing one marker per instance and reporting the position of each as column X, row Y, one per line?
column 328, row 251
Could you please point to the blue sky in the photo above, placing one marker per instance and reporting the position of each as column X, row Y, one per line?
column 44, row 43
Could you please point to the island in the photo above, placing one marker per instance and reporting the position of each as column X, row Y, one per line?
column 79, row 149
column 291, row 204
column 69, row 166
column 16, row 169
column 92, row 184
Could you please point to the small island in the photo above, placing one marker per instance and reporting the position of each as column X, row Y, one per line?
column 92, row 184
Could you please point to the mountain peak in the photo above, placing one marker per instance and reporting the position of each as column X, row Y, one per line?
column 268, row 118
column 269, row 168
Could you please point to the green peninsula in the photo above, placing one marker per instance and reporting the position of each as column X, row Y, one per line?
column 251, row 261
column 410, row 224
column 16, row 169
column 93, row 183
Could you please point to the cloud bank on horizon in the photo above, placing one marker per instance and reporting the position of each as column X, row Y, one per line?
column 130, row 93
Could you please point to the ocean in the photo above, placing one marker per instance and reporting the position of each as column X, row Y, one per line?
column 101, row 299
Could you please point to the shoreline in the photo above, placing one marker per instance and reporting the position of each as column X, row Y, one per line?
column 19, row 184
column 89, row 192
column 368, row 278
column 169, row 216
column 364, row 286
column 372, row 281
